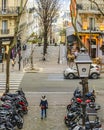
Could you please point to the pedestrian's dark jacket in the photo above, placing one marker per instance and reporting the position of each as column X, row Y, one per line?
column 44, row 103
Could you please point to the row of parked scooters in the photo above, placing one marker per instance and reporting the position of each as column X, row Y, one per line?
column 12, row 109
column 75, row 115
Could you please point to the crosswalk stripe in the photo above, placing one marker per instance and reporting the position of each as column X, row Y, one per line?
column 10, row 82
column 71, row 92
column 15, row 80
column 2, row 86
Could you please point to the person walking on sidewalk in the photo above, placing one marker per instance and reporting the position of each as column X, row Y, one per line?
column 13, row 63
column 70, row 58
column 43, row 106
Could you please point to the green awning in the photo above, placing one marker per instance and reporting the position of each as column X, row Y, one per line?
column 71, row 39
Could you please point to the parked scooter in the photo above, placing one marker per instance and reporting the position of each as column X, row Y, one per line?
column 72, row 117
column 12, row 109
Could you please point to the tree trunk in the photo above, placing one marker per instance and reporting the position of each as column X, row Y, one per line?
column 19, row 61
column 31, row 58
column 45, row 45
column 51, row 34
column 12, row 44
column 7, row 71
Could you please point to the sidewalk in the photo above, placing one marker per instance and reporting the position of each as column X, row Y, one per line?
column 55, row 113
column 16, row 67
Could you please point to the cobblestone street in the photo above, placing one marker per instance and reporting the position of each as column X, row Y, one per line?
column 54, row 120
column 55, row 113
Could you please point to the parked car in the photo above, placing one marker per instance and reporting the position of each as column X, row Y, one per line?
column 71, row 73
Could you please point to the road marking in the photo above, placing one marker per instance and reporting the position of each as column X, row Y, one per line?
column 49, row 92
column 15, row 80
column 55, row 77
column 102, row 92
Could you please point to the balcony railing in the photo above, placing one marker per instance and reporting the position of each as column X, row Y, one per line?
column 89, row 29
column 9, row 10
column 6, row 31
column 89, row 8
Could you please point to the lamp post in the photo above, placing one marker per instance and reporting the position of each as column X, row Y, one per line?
column 83, row 63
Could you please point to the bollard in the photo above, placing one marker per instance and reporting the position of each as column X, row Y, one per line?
column 23, row 63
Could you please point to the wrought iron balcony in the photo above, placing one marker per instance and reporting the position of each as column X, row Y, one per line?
column 89, row 8
column 9, row 11
column 89, row 29
column 6, row 31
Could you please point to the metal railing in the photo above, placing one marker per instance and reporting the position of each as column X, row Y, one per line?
column 6, row 31
column 89, row 7
column 9, row 10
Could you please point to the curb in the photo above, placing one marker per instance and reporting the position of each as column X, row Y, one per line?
column 35, row 70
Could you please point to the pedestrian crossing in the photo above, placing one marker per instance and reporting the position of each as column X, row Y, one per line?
column 15, row 80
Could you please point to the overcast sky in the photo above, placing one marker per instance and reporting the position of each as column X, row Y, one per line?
column 65, row 3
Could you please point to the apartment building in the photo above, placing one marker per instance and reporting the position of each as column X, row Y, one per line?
column 27, row 22
column 9, row 10
column 8, row 15
column 92, row 26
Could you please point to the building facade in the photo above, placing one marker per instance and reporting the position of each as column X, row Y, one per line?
column 9, row 11
column 92, row 26
column 8, row 15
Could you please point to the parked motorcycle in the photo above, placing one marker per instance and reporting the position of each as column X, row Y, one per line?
column 12, row 109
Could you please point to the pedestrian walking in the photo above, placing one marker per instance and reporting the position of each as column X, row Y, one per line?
column 70, row 58
column 13, row 63
column 43, row 106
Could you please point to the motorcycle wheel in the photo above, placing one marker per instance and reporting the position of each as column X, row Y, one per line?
column 20, row 126
column 68, row 107
column 25, row 112
column 66, row 122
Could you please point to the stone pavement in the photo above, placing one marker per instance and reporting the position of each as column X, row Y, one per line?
column 56, row 111
column 55, row 115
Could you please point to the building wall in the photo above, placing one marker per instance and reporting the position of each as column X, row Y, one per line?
column 92, row 34
column 27, row 22
column 8, row 14
column 11, row 3
column 8, row 17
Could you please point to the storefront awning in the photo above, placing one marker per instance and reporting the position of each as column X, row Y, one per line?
column 71, row 39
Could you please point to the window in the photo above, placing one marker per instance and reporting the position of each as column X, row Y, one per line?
column 4, row 27
column 91, row 23
column 4, row 5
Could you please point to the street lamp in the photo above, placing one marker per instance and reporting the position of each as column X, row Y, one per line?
column 83, row 63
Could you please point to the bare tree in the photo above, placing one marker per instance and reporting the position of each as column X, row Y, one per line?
column 33, row 39
column 73, row 13
column 47, row 10
column 13, row 42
